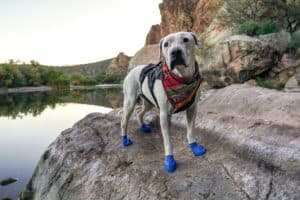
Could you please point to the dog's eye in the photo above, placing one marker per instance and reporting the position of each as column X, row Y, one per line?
column 185, row 40
column 166, row 44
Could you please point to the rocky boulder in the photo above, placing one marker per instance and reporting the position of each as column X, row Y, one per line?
column 118, row 65
column 252, row 137
column 236, row 60
column 285, row 69
column 293, row 84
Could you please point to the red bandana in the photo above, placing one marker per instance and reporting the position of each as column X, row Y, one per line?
column 180, row 92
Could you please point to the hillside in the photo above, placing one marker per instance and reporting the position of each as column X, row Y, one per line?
column 90, row 69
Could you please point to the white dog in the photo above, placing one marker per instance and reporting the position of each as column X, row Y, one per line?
column 171, row 85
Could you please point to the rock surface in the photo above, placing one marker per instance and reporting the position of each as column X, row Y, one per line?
column 183, row 15
column 118, row 65
column 252, row 137
column 293, row 84
column 285, row 69
column 148, row 54
column 154, row 36
column 236, row 60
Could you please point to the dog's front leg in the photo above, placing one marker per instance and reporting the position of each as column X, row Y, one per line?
column 197, row 149
column 165, row 118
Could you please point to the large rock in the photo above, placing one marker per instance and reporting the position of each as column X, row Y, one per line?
column 285, row 69
column 252, row 137
column 236, row 60
column 263, row 123
column 278, row 41
column 148, row 54
column 183, row 15
column 293, row 84
column 118, row 65
column 154, row 36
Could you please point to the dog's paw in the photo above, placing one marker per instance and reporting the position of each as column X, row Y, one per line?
column 145, row 128
column 170, row 163
column 197, row 149
column 126, row 141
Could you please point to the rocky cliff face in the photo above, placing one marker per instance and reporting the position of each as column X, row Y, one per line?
column 252, row 137
column 183, row 15
column 119, row 64
column 226, row 58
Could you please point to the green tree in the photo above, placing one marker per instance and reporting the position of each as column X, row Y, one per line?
column 18, row 77
column 283, row 12
column 286, row 11
column 76, row 78
column 240, row 11
column 34, row 63
column 11, row 61
column 89, row 81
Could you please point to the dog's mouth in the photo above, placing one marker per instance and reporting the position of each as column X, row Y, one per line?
column 177, row 61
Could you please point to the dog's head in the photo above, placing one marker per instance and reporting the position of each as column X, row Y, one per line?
column 177, row 49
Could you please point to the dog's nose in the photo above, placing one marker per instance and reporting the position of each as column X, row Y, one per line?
column 176, row 53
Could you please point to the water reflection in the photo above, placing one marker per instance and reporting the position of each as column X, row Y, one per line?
column 18, row 105
column 30, row 122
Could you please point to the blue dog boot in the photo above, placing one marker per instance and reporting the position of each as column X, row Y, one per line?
column 170, row 163
column 197, row 149
column 145, row 128
column 126, row 141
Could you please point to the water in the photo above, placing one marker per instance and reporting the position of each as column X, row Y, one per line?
column 30, row 122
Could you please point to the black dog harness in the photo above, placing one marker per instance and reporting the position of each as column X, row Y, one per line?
column 153, row 72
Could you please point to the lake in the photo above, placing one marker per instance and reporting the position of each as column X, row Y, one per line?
column 30, row 122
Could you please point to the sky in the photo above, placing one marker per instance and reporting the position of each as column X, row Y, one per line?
column 66, row 32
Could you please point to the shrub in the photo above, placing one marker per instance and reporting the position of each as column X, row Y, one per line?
column 249, row 28
column 113, row 78
column 268, row 27
column 76, row 78
column 294, row 42
column 262, row 82
column 89, row 81
column 61, row 83
column 253, row 28
column 15, row 75
column 285, row 12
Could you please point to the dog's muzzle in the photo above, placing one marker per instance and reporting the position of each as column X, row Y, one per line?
column 177, row 58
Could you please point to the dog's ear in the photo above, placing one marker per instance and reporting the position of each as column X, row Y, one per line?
column 160, row 49
column 197, row 41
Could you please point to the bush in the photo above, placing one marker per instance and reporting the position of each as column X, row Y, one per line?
column 249, row 28
column 262, row 82
column 268, row 27
column 285, row 13
column 14, row 75
column 76, row 78
column 89, row 81
column 79, row 79
column 253, row 28
column 294, row 42
column 113, row 78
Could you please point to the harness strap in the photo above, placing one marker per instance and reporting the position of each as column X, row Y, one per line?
column 153, row 72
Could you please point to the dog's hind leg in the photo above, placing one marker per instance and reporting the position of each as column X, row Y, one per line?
column 197, row 149
column 127, row 110
column 146, row 107
column 130, row 89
